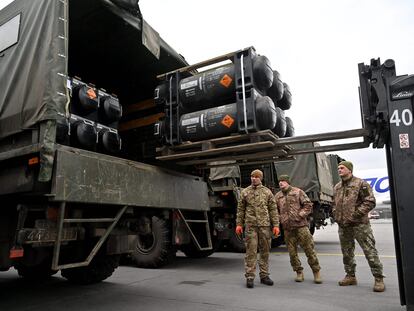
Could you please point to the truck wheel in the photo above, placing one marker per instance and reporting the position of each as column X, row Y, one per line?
column 100, row 268
column 236, row 243
column 154, row 250
column 41, row 271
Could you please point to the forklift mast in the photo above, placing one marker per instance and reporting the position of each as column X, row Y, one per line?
column 387, row 110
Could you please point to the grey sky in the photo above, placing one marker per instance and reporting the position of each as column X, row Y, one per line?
column 315, row 45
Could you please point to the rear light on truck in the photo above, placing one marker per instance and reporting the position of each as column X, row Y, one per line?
column 16, row 252
column 33, row 161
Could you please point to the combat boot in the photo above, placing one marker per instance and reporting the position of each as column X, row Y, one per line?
column 266, row 280
column 348, row 280
column 249, row 283
column 379, row 285
column 317, row 277
column 299, row 276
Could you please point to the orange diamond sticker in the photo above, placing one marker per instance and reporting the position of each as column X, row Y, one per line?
column 91, row 93
column 226, row 80
column 227, row 121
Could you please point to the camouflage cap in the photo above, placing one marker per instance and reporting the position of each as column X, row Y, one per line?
column 257, row 173
column 284, row 178
column 347, row 164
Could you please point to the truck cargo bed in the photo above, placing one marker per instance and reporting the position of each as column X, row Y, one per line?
column 88, row 177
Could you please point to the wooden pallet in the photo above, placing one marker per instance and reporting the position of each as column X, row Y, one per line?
column 243, row 149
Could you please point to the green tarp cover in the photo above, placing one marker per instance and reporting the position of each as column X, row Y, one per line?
column 29, row 70
column 103, row 45
column 310, row 172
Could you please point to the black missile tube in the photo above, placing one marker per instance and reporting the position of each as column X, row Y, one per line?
column 280, row 126
column 286, row 102
column 290, row 130
column 84, row 99
column 108, row 140
column 222, row 121
column 275, row 92
column 110, row 110
column 214, row 87
column 82, row 134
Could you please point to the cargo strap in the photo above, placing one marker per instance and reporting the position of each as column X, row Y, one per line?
column 58, row 242
column 244, row 95
column 204, row 221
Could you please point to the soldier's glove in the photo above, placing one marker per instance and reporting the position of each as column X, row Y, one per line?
column 276, row 231
column 239, row 230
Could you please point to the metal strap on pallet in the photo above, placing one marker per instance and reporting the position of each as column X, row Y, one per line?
column 171, row 126
column 244, row 95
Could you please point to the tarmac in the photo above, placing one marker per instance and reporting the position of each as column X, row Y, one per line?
column 217, row 283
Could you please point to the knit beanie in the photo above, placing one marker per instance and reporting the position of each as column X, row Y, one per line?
column 284, row 178
column 257, row 173
column 347, row 164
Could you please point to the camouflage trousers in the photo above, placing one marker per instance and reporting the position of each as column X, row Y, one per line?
column 257, row 238
column 365, row 238
column 301, row 236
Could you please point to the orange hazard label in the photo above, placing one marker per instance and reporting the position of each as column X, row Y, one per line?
column 227, row 121
column 91, row 93
column 226, row 80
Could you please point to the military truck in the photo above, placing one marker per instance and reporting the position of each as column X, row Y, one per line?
column 81, row 183
column 78, row 207
column 315, row 173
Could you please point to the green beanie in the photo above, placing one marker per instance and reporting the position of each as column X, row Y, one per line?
column 347, row 164
column 284, row 178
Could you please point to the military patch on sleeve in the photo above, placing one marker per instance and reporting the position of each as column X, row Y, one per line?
column 365, row 191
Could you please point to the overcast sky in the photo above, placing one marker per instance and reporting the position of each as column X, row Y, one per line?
column 315, row 45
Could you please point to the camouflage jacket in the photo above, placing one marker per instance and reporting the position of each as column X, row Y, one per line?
column 294, row 207
column 353, row 199
column 257, row 207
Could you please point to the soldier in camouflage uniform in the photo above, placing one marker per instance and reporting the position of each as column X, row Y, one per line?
column 294, row 207
column 353, row 199
column 257, row 211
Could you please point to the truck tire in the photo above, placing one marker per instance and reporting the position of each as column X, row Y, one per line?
column 100, row 268
column 154, row 250
column 41, row 271
column 237, row 243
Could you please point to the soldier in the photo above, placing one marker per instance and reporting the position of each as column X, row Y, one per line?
column 353, row 199
column 257, row 211
column 294, row 207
